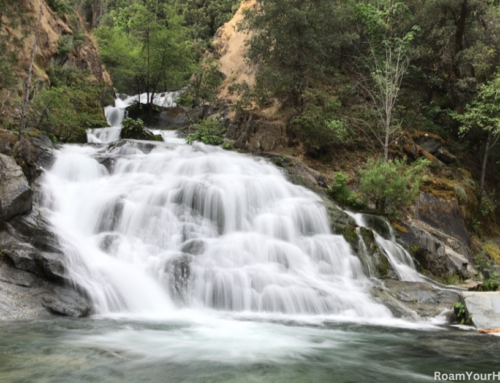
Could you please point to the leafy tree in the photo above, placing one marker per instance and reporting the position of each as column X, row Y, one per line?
column 387, row 60
column 457, row 48
column 65, row 111
column 483, row 114
column 391, row 183
column 204, row 17
column 296, row 44
column 147, row 47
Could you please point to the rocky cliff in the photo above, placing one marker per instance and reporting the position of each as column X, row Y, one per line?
column 33, row 283
column 63, row 41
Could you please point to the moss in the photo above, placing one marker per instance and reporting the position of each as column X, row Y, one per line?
column 398, row 227
column 493, row 251
column 350, row 235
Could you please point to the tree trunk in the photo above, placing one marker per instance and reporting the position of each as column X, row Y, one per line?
column 483, row 168
column 27, row 85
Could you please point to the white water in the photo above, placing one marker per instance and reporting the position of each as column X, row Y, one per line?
column 200, row 227
column 398, row 257
column 115, row 114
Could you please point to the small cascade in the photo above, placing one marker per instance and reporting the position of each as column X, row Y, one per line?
column 398, row 257
column 167, row 226
column 365, row 256
column 115, row 114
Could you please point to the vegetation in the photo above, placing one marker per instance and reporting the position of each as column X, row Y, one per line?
column 391, row 185
column 207, row 131
column 461, row 314
column 146, row 48
column 341, row 193
column 488, row 268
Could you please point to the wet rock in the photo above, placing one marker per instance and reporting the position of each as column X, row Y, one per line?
column 436, row 253
column 380, row 225
column 193, row 247
column 422, row 298
column 24, row 256
column 67, row 302
column 297, row 172
column 178, row 271
column 339, row 220
column 374, row 261
column 15, row 193
column 484, row 309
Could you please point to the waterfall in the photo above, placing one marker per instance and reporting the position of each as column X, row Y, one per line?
column 398, row 257
column 154, row 227
column 115, row 114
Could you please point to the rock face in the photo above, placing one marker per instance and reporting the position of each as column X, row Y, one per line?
column 483, row 309
column 32, row 273
column 405, row 299
column 15, row 193
column 257, row 132
column 32, row 266
column 52, row 28
column 437, row 253
column 231, row 48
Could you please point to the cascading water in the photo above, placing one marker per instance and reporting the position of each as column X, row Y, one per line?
column 177, row 225
column 398, row 257
column 115, row 115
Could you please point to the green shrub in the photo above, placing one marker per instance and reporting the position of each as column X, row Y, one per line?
column 461, row 314
column 340, row 192
column 66, row 112
column 392, row 185
column 208, row 131
column 488, row 270
column 319, row 126
column 60, row 7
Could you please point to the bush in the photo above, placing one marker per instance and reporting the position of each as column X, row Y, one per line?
column 341, row 193
column 209, row 132
column 203, row 84
column 319, row 126
column 392, row 185
column 134, row 129
column 60, row 7
column 66, row 112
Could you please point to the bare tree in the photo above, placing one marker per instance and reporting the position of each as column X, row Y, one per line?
column 27, row 84
column 387, row 71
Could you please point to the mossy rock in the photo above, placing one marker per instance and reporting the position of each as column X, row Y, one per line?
column 493, row 251
column 379, row 264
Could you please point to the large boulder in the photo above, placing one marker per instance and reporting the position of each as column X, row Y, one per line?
column 443, row 214
column 436, row 253
column 33, row 279
column 404, row 299
column 15, row 192
column 483, row 309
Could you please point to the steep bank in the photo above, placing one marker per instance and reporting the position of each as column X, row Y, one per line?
column 33, row 281
column 64, row 42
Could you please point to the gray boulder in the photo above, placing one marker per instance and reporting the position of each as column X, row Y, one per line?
column 405, row 299
column 15, row 192
column 484, row 310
